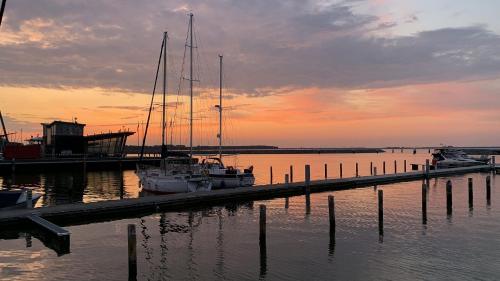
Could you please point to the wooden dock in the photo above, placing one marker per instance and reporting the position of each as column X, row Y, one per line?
column 73, row 214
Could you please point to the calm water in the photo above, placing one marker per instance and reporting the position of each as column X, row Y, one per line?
column 69, row 187
column 221, row 243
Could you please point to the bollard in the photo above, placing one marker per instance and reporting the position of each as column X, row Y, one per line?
column 471, row 194
column 29, row 199
column 424, row 203
column 383, row 168
column 371, row 168
column 395, row 167
column 326, row 171
column 291, row 173
column 449, row 198
column 427, row 168
column 340, row 170
column 404, row 166
column 132, row 253
column 271, row 175
column 331, row 213
column 357, row 170
column 488, row 190
column 262, row 225
column 381, row 212
column 307, row 175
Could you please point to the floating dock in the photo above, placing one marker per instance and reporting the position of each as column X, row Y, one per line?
column 73, row 214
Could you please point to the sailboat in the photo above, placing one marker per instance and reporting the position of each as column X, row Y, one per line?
column 225, row 176
column 177, row 173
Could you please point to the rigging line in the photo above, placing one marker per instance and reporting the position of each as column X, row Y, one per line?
column 183, row 64
column 152, row 100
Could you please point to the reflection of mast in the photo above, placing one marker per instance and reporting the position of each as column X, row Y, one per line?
column 220, row 246
column 220, row 107
column 191, row 86
column 163, row 243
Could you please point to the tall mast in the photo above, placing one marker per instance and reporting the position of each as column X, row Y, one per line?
column 191, row 86
column 164, row 109
column 220, row 107
column 3, row 127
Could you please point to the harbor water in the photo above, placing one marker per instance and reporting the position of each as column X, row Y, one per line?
column 222, row 242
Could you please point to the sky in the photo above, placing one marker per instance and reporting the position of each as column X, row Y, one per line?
column 297, row 73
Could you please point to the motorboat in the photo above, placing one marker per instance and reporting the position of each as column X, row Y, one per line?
column 449, row 157
column 11, row 199
column 227, row 176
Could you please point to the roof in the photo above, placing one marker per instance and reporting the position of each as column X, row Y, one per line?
column 108, row 135
column 63, row 122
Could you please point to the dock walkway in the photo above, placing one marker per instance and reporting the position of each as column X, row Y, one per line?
column 79, row 213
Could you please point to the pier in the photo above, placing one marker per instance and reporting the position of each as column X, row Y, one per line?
column 74, row 214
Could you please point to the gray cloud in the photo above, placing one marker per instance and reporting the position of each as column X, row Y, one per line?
column 267, row 44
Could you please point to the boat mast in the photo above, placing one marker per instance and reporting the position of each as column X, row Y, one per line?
column 3, row 127
column 191, row 86
column 220, row 107
column 164, row 110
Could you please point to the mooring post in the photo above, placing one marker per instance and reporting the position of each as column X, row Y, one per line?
column 395, row 167
column 471, row 193
column 427, row 168
column 271, row 175
column 331, row 213
column 381, row 212
column 262, row 225
column 374, row 171
column 488, row 190
column 132, row 252
column 29, row 199
column 424, row 203
column 307, row 174
column 340, row 170
column 371, row 168
column 326, row 171
column 404, row 166
column 493, row 163
column 383, row 168
column 449, row 197
column 286, row 184
column 357, row 170
column 291, row 173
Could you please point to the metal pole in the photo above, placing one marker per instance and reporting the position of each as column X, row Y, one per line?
column 191, row 87
column 2, row 10
column 220, row 106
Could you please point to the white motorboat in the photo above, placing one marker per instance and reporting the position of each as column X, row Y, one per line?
column 220, row 175
column 449, row 157
column 227, row 176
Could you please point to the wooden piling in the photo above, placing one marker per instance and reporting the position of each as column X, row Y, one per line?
column 371, row 168
column 488, row 190
column 427, row 168
column 404, row 166
column 291, row 173
column 307, row 174
column 374, row 171
column 449, row 198
column 340, row 170
column 471, row 194
column 424, row 203
column 395, row 167
column 381, row 212
column 29, row 199
column 286, row 179
column 493, row 163
column 271, row 175
column 383, row 168
column 357, row 170
column 262, row 224
column 331, row 213
column 132, row 252
column 326, row 171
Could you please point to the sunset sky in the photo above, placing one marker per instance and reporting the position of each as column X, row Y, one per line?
column 297, row 73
